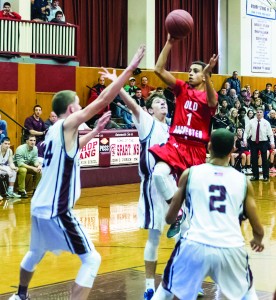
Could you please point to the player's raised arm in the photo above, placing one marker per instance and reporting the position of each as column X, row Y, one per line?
column 159, row 68
column 106, row 96
column 103, row 120
column 178, row 198
column 211, row 94
column 251, row 213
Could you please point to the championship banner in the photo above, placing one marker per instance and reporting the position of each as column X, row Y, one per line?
column 124, row 150
column 89, row 154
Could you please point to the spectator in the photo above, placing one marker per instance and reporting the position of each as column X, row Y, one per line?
column 232, row 97
column 131, row 87
column 159, row 90
column 260, row 130
column 243, row 96
column 3, row 128
column 235, row 82
column 139, row 98
column 227, row 87
column 224, row 104
column 7, row 13
column 235, row 122
column 26, row 159
column 257, row 103
column 35, row 125
column 272, row 118
column 40, row 10
column 274, row 90
column 240, row 152
column 7, row 166
column 220, row 120
column 222, row 95
column 248, row 91
column 58, row 18
column 267, row 96
column 51, row 121
column 145, row 88
column 241, row 116
column 94, row 94
column 53, row 11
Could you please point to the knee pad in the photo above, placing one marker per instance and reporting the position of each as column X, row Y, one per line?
column 90, row 265
column 151, row 248
column 163, row 180
column 30, row 260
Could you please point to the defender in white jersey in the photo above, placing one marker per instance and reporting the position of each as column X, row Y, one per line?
column 54, row 226
column 152, row 129
column 217, row 196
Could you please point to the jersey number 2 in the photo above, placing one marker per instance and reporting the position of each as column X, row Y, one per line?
column 218, row 196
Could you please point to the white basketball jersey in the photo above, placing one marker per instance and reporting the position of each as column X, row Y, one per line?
column 59, row 187
column 215, row 197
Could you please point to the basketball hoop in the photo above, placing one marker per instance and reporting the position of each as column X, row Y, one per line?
column 269, row 3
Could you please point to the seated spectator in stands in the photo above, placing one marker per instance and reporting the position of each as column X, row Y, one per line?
column 240, row 152
column 7, row 166
column 51, row 121
column 145, row 88
column 232, row 98
column 241, row 116
column 131, row 87
column 40, row 10
column 58, row 18
column 222, row 95
column 257, row 103
column 221, row 120
column 237, row 104
column 248, row 91
column 127, row 117
column 139, row 98
column 26, row 159
column 224, row 104
column 7, row 13
column 3, row 128
column 255, row 95
column 53, row 12
column 35, row 125
column 267, row 96
column 247, row 104
column 227, row 87
column 159, row 90
column 234, row 119
column 94, row 93
column 272, row 118
column 243, row 96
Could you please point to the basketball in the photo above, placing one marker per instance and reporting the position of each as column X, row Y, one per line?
column 179, row 23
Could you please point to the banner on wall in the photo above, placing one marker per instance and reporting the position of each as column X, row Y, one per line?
column 260, row 8
column 124, row 150
column 261, row 35
column 89, row 154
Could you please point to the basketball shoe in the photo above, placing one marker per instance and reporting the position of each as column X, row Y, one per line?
column 148, row 294
column 175, row 227
column 17, row 297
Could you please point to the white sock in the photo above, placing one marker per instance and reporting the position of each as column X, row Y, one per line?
column 162, row 294
column 10, row 189
column 150, row 283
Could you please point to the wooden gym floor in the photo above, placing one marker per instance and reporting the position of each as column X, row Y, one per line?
column 110, row 215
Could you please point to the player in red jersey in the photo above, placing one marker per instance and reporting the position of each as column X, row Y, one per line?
column 196, row 103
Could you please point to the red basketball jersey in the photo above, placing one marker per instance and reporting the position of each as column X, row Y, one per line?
column 192, row 115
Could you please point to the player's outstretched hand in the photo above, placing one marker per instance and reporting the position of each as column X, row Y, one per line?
column 212, row 62
column 256, row 246
column 106, row 74
column 171, row 39
column 103, row 120
column 138, row 56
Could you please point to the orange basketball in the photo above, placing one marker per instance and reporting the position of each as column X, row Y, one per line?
column 179, row 23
